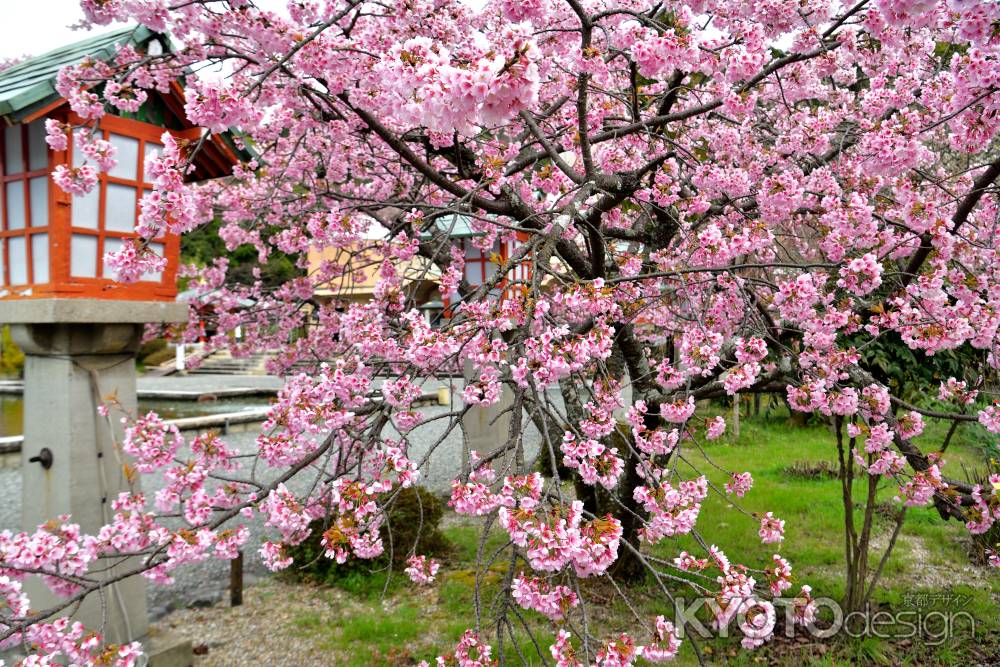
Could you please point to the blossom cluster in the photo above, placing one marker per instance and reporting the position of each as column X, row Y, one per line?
column 595, row 463
column 645, row 214
column 534, row 593
column 421, row 569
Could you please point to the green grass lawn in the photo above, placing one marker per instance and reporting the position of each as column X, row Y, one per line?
column 930, row 556
column 409, row 623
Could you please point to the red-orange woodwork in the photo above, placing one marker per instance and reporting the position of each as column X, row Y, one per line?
column 56, row 232
column 479, row 268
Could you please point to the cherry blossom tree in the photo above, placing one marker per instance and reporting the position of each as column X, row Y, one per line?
column 705, row 199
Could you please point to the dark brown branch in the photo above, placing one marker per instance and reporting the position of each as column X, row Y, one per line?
column 960, row 217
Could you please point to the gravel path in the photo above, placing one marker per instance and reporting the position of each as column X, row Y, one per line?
column 258, row 633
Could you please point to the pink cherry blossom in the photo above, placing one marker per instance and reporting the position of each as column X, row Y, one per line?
column 421, row 570
column 56, row 134
column 665, row 643
column 75, row 180
column 624, row 219
column 551, row 601
column 989, row 417
column 771, row 529
column 739, row 484
column 716, row 427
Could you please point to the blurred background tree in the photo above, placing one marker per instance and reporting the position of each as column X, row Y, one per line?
column 203, row 245
column 11, row 357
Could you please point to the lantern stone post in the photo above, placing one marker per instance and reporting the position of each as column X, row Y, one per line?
column 78, row 351
column 487, row 427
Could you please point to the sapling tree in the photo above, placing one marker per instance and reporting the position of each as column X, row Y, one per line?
column 696, row 199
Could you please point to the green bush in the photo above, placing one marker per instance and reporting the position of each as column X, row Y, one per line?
column 983, row 543
column 412, row 526
column 151, row 346
column 159, row 357
column 11, row 357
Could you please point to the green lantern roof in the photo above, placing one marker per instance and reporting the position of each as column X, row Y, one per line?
column 455, row 225
column 31, row 85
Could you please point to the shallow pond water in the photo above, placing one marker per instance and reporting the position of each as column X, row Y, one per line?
column 11, row 415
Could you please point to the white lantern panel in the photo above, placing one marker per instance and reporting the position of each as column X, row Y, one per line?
column 149, row 150
column 156, row 276
column 13, row 156
column 18, row 261
column 83, row 256
column 491, row 270
column 472, row 252
column 15, row 204
column 38, row 189
column 127, row 156
column 3, row 274
column 119, row 208
column 40, row 257
column 84, row 209
column 78, row 157
column 474, row 273
column 38, row 150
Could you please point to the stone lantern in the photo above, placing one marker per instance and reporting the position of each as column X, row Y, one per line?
column 486, row 427
column 79, row 329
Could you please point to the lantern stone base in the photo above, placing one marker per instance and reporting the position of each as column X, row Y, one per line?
column 90, row 311
column 79, row 352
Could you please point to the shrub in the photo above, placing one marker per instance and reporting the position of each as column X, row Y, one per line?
column 412, row 526
column 812, row 470
column 151, row 346
column 983, row 543
column 158, row 357
column 154, row 352
column 11, row 357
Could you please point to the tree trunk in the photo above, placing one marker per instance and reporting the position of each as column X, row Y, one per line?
column 628, row 567
column 858, row 586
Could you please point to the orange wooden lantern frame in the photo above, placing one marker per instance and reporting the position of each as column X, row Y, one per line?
column 59, row 230
column 61, row 253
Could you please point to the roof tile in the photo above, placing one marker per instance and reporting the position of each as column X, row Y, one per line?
column 32, row 81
